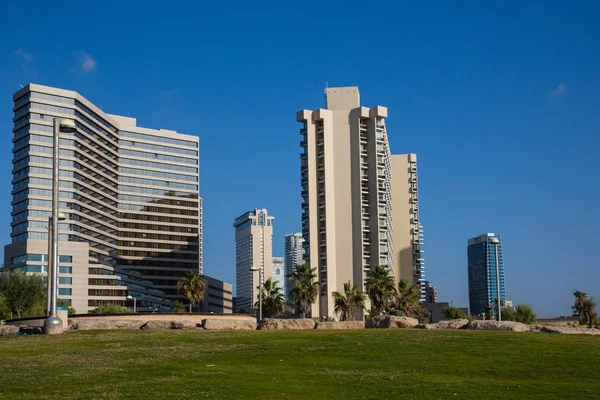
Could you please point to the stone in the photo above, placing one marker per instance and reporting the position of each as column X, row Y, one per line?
column 571, row 330
column 160, row 324
column 222, row 324
column 8, row 330
column 85, row 324
column 341, row 325
column 392, row 322
column 428, row 326
column 183, row 324
column 498, row 326
column 287, row 324
column 461, row 323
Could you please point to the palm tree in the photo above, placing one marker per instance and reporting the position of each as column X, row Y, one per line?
column 193, row 286
column 349, row 302
column 406, row 299
column 178, row 306
column 380, row 288
column 585, row 308
column 272, row 299
column 306, row 289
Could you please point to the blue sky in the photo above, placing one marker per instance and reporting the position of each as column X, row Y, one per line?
column 500, row 102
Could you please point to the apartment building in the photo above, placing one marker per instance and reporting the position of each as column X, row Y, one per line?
column 359, row 202
column 130, row 196
column 481, row 265
column 431, row 293
column 293, row 255
column 253, row 249
column 278, row 272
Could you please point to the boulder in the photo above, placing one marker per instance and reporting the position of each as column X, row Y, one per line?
column 498, row 326
column 450, row 324
column 571, row 330
column 287, row 324
column 218, row 324
column 392, row 322
column 86, row 324
column 461, row 323
column 341, row 325
column 8, row 330
column 183, row 324
column 156, row 325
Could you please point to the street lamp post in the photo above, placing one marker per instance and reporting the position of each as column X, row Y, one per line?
column 61, row 217
column 496, row 242
column 130, row 297
column 53, row 324
column 260, row 289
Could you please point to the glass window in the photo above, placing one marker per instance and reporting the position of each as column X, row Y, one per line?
column 65, row 270
column 65, row 280
column 64, row 291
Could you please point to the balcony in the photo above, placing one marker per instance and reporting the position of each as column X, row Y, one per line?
column 303, row 143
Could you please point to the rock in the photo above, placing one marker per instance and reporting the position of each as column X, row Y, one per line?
column 183, row 324
column 392, row 322
column 450, row 324
column 597, row 326
column 156, row 325
column 8, row 330
column 86, row 324
column 221, row 324
column 287, row 324
column 454, row 324
column 341, row 325
column 498, row 326
column 571, row 330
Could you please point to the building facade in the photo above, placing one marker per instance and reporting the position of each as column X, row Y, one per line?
column 253, row 249
column 431, row 293
column 218, row 297
column 278, row 273
column 359, row 203
column 481, row 255
column 293, row 255
column 130, row 196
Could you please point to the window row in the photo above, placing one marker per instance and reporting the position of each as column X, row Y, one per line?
column 158, row 139
column 53, row 109
column 154, row 182
column 156, row 147
column 150, row 164
column 157, row 174
column 156, row 192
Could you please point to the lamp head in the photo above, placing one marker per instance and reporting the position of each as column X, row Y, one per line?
column 67, row 125
column 495, row 241
column 130, row 297
column 253, row 269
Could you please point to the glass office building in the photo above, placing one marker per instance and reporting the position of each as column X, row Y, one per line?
column 130, row 195
column 482, row 273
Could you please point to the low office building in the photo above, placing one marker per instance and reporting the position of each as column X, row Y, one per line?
column 218, row 297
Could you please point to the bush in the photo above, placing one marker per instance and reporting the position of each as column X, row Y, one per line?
column 453, row 313
column 508, row 314
column 524, row 313
column 109, row 308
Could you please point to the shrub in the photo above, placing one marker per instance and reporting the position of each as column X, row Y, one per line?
column 109, row 308
column 508, row 314
column 453, row 313
column 524, row 313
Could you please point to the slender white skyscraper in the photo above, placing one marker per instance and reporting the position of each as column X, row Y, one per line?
column 294, row 254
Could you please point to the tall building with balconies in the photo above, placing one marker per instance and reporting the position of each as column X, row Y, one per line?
column 293, row 255
column 408, row 238
column 130, row 196
column 349, row 195
column 253, row 249
column 481, row 265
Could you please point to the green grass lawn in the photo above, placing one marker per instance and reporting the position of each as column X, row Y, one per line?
column 364, row 364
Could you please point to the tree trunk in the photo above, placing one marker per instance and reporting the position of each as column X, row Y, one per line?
column 190, row 307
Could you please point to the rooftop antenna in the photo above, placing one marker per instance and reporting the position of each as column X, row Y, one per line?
column 21, row 85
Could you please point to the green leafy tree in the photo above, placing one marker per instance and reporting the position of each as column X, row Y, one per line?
column 350, row 302
column 453, row 313
column 66, row 303
column 193, row 287
column 585, row 308
column 508, row 314
column 273, row 300
column 488, row 313
column 380, row 289
column 4, row 309
column 110, row 308
column 524, row 313
column 178, row 306
column 24, row 295
column 406, row 299
column 305, row 288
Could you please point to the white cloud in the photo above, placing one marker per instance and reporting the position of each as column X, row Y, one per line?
column 86, row 62
column 559, row 91
column 22, row 54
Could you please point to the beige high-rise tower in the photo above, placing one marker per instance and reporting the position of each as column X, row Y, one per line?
column 348, row 203
column 253, row 248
